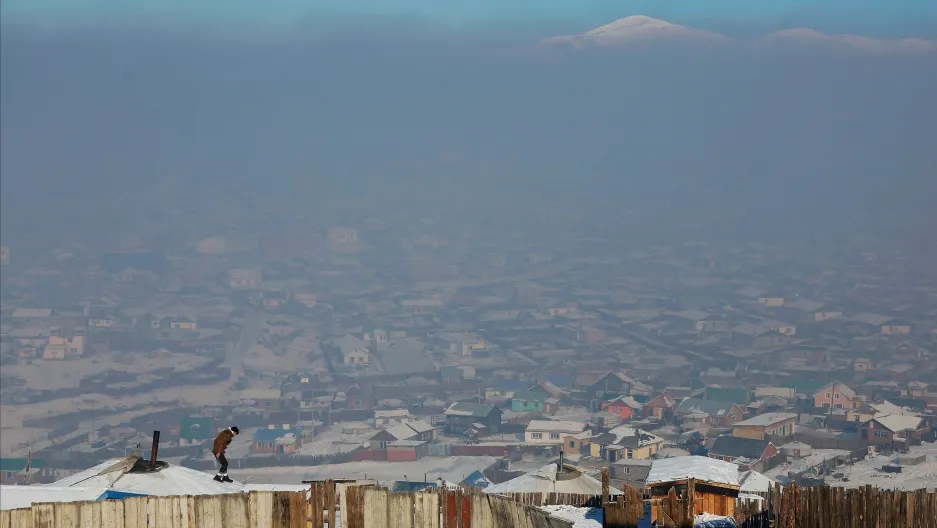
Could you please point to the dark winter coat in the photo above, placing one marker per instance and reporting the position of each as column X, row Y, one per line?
column 222, row 441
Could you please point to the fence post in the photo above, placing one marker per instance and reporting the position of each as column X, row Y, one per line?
column 605, row 486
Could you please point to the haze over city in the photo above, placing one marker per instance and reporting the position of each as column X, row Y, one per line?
column 613, row 236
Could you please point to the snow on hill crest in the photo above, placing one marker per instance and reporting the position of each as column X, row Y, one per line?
column 631, row 30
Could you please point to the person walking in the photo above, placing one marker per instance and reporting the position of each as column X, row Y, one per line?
column 222, row 441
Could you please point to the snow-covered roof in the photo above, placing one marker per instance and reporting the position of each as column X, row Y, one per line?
column 401, row 432
column 556, row 426
column 544, row 480
column 898, row 422
column 841, row 387
column 170, row 480
column 887, row 407
column 764, row 420
column 755, row 482
column 15, row 497
column 695, row 467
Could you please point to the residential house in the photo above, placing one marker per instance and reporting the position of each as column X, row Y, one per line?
column 625, row 407
column 895, row 431
column 712, row 412
column 390, row 417
column 708, row 326
column 466, row 345
column 631, row 472
column 777, row 426
column 772, row 338
column 716, row 490
column 611, row 385
column 625, row 443
column 584, row 334
column 450, row 374
column 181, row 323
column 64, row 347
column 862, row 364
column 460, row 416
column 529, row 401
column 741, row 450
column 244, row 279
column 354, row 350
column 896, row 327
column 740, row 396
column 502, row 390
column 196, row 430
column 416, row 430
column 836, row 395
column 277, row 441
column 659, row 407
column 306, row 299
column 354, row 396
column 577, row 444
column 771, row 302
column 821, row 316
column 551, row 431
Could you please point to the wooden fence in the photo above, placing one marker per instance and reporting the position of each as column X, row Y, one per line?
column 258, row 509
column 550, row 499
column 796, row 507
column 371, row 507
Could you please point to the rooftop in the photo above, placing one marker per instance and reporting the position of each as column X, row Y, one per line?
column 693, row 467
column 764, row 420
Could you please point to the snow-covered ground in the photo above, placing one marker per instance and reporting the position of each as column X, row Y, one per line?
column 580, row 517
column 869, row 472
column 449, row 468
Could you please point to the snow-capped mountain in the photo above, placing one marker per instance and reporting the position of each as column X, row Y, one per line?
column 810, row 37
column 628, row 31
column 632, row 29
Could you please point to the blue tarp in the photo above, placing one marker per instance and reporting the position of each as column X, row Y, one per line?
column 114, row 494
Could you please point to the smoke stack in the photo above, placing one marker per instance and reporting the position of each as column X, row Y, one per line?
column 154, row 450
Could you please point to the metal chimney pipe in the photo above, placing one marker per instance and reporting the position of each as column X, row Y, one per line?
column 154, row 450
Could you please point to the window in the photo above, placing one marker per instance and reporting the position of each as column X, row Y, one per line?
column 629, row 454
column 837, row 405
column 554, row 436
column 572, row 443
column 536, row 435
column 836, row 396
column 828, row 395
column 881, row 434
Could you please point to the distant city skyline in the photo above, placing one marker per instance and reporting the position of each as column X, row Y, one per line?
column 896, row 18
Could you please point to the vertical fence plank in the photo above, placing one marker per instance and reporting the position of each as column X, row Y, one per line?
column 400, row 506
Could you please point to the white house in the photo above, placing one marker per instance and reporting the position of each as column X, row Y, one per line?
column 551, row 431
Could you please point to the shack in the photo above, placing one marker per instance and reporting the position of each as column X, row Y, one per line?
column 713, row 484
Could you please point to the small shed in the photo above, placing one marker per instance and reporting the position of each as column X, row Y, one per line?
column 713, row 484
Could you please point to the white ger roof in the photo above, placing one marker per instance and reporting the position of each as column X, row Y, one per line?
column 695, row 467
column 544, row 480
column 171, row 480
column 15, row 497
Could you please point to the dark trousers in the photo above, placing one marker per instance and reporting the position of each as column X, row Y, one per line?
column 224, row 464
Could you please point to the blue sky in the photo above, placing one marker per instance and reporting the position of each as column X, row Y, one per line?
column 872, row 17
